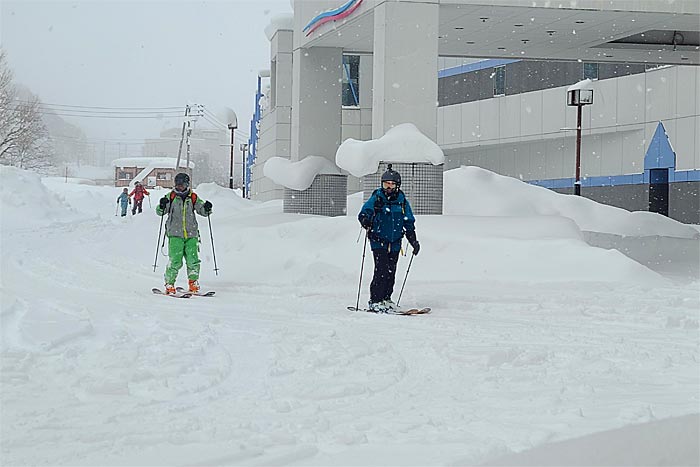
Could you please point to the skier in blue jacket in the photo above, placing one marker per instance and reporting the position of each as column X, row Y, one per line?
column 386, row 216
column 125, row 201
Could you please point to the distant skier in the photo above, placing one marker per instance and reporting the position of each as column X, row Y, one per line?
column 125, row 201
column 182, row 231
column 138, row 193
column 386, row 215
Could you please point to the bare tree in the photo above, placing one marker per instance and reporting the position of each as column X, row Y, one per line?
column 23, row 136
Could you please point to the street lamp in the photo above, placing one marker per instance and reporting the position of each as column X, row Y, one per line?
column 232, row 126
column 578, row 97
column 244, row 149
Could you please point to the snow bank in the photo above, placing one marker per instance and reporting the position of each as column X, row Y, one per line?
column 85, row 200
column 403, row 143
column 227, row 200
column 297, row 175
column 479, row 192
column 25, row 203
column 672, row 441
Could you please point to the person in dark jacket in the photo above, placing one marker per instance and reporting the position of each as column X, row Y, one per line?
column 386, row 216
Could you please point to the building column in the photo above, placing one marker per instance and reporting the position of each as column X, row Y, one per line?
column 316, row 128
column 405, row 66
column 316, row 102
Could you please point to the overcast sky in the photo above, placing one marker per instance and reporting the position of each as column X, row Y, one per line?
column 139, row 54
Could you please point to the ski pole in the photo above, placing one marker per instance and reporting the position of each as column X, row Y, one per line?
column 404, row 279
column 116, row 210
column 359, row 286
column 358, row 234
column 155, row 261
column 149, row 201
column 211, row 234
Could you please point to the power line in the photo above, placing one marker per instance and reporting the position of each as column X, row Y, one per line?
column 107, row 112
column 102, row 108
column 156, row 116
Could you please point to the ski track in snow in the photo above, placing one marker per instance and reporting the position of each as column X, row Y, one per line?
column 97, row 371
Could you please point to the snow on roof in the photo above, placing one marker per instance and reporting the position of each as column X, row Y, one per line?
column 297, row 175
column 403, row 143
column 583, row 84
column 157, row 162
column 277, row 22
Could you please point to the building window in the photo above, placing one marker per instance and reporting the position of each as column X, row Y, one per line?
column 163, row 175
column 590, row 71
column 351, row 80
column 499, row 81
column 124, row 175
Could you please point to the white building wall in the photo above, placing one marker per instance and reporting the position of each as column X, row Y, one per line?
column 521, row 135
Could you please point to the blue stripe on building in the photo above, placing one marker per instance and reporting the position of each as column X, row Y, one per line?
column 617, row 180
column 480, row 65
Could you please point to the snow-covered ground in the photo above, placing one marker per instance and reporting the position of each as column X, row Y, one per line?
column 536, row 338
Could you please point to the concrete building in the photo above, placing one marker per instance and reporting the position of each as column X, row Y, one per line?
column 356, row 69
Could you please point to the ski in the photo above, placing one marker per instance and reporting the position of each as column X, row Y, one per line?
column 157, row 291
column 409, row 312
column 198, row 294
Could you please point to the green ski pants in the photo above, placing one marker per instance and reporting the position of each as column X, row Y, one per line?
column 177, row 248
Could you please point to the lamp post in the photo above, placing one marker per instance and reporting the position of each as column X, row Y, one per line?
column 232, row 126
column 578, row 98
column 244, row 149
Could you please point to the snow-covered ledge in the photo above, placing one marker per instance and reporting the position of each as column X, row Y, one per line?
column 284, row 21
column 298, row 175
column 403, row 143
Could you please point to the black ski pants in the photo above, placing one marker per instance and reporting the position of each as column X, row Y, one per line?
column 138, row 203
column 382, row 285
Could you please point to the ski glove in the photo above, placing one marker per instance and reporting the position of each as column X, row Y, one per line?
column 411, row 237
column 365, row 222
column 207, row 207
column 163, row 203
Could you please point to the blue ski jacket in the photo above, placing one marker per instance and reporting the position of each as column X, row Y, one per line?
column 389, row 219
column 123, row 199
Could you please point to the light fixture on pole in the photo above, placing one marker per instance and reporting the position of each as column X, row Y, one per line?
column 233, row 124
column 578, row 97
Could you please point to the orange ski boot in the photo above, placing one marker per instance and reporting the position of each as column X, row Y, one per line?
column 170, row 289
column 194, row 286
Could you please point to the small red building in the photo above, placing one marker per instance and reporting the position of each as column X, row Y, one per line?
column 150, row 171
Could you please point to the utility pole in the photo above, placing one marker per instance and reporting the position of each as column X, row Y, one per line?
column 182, row 137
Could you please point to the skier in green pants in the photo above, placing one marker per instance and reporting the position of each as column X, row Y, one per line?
column 182, row 231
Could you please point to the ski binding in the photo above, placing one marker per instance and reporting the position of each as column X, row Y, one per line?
column 198, row 294
column 408, row 312
column 157, row 291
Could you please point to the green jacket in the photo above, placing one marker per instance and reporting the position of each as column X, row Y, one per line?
column 181, row 219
